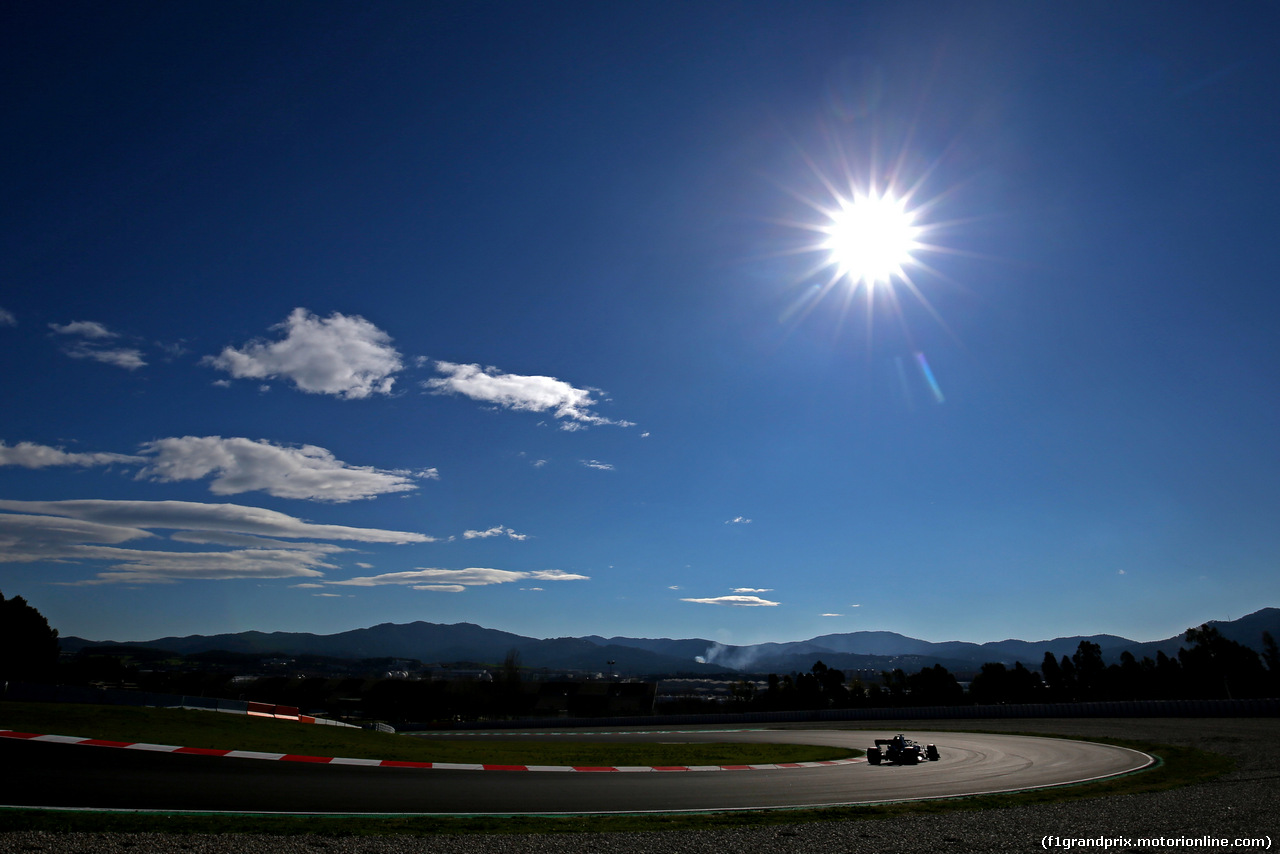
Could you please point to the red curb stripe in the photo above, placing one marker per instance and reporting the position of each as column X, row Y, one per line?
column 397, row 763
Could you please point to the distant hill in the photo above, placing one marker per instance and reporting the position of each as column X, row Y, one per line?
column 457, row 642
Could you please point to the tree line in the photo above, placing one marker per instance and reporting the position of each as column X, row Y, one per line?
column 1212, row 667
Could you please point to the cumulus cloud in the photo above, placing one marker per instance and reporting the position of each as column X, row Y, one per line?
column 520, row 392
column 495, row 531
column 90, row 342
column 753, row 590
column 245, row 465
column 7, row 318
column 738, row 520
column 457, row 580
column 32, row 456
column 237, row 465
column 265, row 543
column 346, row 356
column 736, row 601
column 599, row 466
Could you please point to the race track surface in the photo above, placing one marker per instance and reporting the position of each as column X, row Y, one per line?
column 61, row 775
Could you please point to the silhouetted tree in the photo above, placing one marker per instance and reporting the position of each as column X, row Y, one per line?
column 935, row 686
column 1090, row 671
column 28, row 647
column 1217, row 667
column 1271, row 658
column 1053, row 679
column 991, row 684
column 895, row 682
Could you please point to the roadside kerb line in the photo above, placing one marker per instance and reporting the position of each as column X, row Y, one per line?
column 397, row 763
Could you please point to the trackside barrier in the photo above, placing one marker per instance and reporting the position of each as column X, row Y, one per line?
column 119, row 697
column 1116, row 709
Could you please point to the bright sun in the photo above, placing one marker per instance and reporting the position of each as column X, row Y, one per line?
column 871, row 238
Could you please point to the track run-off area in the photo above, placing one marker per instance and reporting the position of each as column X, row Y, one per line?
column 57, row 774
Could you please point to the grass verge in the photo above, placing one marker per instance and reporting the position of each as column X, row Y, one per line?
column 190, row 728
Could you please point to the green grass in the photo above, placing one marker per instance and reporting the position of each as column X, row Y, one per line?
column 190, row 728
column 1178, row 766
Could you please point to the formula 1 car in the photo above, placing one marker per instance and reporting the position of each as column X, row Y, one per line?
column 900, row 750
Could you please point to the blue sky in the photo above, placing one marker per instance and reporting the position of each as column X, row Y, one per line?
column 316, row 316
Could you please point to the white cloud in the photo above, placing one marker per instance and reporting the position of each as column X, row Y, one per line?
column 237, row 465
column 126, row 358
column 738, row 520
column 495, row 531
column 91, row 531
column 307, row 585
column 736, row 601
column 7, row 318
column 457, row 580
column 91, row 344
column 599, row 466
column 85, row 329
column 150, row 567
column 195, row 516
column 245, row 465
column 33, row 456
column 342, row 355
column 753, row 590
column 833, row 615
column 520, row 392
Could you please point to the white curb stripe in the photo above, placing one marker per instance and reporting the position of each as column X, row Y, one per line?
column 389, row 763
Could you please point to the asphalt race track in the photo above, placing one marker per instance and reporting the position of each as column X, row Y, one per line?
column 62, row 775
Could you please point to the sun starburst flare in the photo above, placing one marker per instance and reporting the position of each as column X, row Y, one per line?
column 871, row 238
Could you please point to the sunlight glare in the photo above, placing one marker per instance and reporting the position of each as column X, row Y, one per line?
column 871, row 238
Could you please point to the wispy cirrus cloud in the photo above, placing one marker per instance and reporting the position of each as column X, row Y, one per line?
column 738, row 520
column 495, row 531
column 236, row 465
column 753, row 590
column 529, row 393
column 597, row 465
column 33, row 456
column 89, row 340
column 457, row 580
column 265, row 544
column 735, row 601
column 342, row 355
